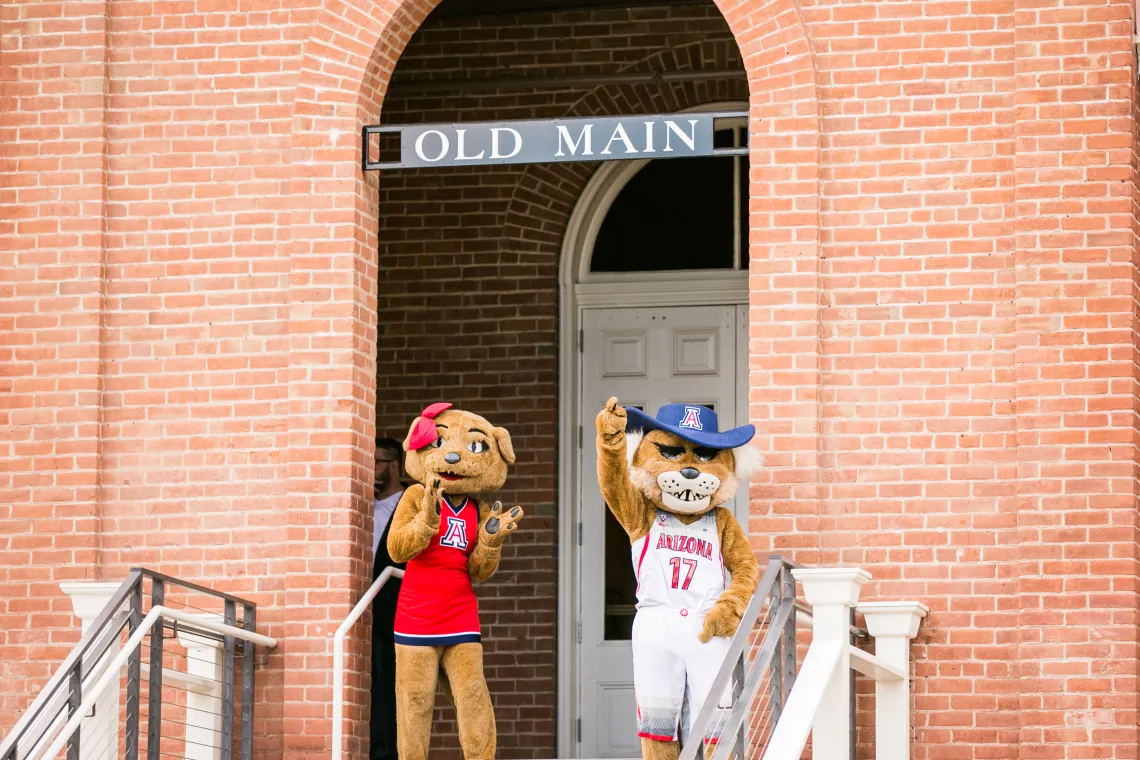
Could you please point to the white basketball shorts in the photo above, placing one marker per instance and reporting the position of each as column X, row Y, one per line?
column 670, row 664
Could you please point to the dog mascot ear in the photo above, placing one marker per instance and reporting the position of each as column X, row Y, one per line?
column 506, row 450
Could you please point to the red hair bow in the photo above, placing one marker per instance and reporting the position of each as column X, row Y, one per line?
column 423, row 429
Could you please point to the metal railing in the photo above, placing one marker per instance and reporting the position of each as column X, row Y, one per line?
column 770, row 624
column 338, row 656
column 760, row 685
column 771, row 617
column 187, row 649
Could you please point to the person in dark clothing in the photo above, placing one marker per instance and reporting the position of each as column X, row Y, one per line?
column 387, row 490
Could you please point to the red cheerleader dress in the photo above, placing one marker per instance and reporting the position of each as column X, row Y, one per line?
column 437, row 605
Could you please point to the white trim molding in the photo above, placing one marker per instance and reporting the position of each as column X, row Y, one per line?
column 681, row 288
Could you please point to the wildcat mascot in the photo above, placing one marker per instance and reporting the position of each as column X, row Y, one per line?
column 448, row 539
column 664, row 479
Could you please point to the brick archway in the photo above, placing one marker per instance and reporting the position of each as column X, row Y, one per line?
column 346, row 66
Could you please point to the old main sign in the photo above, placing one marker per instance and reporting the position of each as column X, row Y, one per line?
column 552, row 141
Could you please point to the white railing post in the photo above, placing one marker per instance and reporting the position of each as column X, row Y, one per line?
column 832, row 593
column 99, row 733
column 893, row 625
column 203, row 700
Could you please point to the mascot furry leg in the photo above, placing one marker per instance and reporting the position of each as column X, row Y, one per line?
column 416, row 672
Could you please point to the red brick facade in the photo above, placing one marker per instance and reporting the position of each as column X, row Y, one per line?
column 195, row 276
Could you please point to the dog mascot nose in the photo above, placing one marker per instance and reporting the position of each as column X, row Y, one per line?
column 451, row 457
column 690, row 472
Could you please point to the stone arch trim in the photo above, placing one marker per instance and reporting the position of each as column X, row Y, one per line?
column 347, row 62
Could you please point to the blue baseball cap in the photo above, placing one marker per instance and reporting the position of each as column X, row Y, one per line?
column 691, row 422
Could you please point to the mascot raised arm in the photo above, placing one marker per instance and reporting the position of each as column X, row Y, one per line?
column 448, row 538
column 665, row 479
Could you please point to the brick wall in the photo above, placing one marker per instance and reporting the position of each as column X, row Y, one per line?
column 145, row 339
column 468, row 302
column 918, row 379
column 52, row 127
column 943, row 324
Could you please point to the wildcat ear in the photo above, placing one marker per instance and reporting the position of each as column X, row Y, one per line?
column 632, row 441
column 503, row 438
column 748, row 460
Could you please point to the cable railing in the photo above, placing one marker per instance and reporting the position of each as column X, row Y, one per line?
column 164, row 672
column 759, row 687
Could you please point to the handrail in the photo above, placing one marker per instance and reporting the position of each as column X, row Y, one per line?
column 740, row 639
column 752, row 681
column 338, row 655
column 111, row 674
column 825, row 684
column 69, row 662
column 816, row 695
column 791, row 732
column 770, row 582
column 34, row 726
column 42, row 722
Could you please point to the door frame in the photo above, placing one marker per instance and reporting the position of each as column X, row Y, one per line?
column 578, row 290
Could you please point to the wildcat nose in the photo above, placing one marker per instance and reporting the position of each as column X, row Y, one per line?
column 690, row 472
column 452, row 458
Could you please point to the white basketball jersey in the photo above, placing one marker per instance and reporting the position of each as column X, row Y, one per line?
column 679, row 565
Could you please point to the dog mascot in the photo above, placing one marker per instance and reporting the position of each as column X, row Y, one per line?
column 664, row 479
column 448, row 539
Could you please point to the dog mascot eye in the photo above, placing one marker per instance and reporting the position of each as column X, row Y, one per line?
column 437, row 442
column 670, row 452
column 477, row 447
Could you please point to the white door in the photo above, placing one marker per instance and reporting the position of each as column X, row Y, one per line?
column 646, row 357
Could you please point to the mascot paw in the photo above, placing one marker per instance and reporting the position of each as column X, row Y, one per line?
column 498, row 525
column 721, row 620
column 430, row 505
column 611, row 421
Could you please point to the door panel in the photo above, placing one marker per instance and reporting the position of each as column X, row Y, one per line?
column 646, row 358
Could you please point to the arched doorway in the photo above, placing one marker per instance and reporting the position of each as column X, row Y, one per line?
column 333, row 242
column 654, row 293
